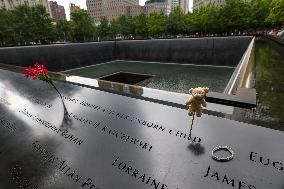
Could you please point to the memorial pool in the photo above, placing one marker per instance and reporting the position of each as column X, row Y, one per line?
column 169, row 77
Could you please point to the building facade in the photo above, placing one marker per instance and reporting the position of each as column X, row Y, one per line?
column 111, row 8
column 11, row 4
column 57, row 11
column 135, row 10
column 183, row 4
column 158, row 6
column 73, row 7
column 198, row 3
column 114, row 8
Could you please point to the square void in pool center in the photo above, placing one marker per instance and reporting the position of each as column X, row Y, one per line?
column 168, row 77
column 126, row 77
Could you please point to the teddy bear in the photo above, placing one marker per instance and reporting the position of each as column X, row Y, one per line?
column 196, row 101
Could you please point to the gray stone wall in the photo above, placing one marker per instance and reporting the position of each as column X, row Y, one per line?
column 59, row 57
column 277, row 43
column 225, row 51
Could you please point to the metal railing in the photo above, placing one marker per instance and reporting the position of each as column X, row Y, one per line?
column 239, row 74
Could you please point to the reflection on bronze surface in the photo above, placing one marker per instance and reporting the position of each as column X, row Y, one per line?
column 120, row 87
column 66, row 122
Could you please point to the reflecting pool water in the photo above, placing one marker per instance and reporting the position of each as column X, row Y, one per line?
column 168, row 77
column 269, row 86
column 269, row 81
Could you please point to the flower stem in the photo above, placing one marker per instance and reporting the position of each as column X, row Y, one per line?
column 66, row 119
column 56, row 89
column 65, row 110
column 191, row 124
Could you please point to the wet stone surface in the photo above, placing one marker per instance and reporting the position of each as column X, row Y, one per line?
column 168, row 77
column 126, row 77
column 100, row 140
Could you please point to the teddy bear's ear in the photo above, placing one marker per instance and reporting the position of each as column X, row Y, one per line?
column 190, row 90
column 206, row 89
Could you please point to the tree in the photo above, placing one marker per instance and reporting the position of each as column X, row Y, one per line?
column 82, row 25
column 63, row 29
column 31, row 24
column 205, row 20
column 276, row 15
column 176, row 22
column 235, row 16
column 41, row 24
column 22, row 25
column 104, row 29
column 192, row 25
column 6, row 28
column 114, row 28
column 140, row 25
column 126, row 26
column 259, row 11
column 28, row 25
column 156, row 24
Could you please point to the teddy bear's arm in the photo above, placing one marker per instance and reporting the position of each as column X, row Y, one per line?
column 204, row 103
column 188, row 102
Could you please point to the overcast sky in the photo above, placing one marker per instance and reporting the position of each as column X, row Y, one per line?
column 82, row 4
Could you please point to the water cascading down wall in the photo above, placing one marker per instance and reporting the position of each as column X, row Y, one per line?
column 221, row 51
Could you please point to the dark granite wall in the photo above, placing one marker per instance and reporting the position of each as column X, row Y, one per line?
column 207, row 51
column 59, row 57
column 276, row 42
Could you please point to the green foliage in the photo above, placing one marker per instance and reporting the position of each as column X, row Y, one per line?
column 125, row 26
column 63, row 29
column 259, row 11
column 25, row 25
column 41, row 24
column 176, row 22
column 140, row 25
column 29, row 25
column 6, row 29
column 114, row 28
column 276, row 15
column 235, row 16
column 103, row 29
column 22, row 24
column 203, row 20
column 156, row 24
column 82, row 25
